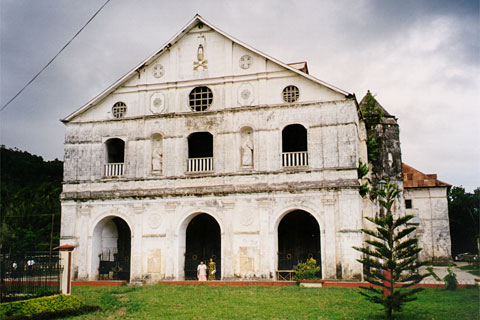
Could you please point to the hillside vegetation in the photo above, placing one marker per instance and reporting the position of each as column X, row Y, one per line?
column 30, row 204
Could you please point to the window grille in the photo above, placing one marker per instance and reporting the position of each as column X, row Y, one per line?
column 119, row 109
column 200, row 98
column 290, row 94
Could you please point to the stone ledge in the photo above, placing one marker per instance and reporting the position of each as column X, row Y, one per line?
column 219, row 190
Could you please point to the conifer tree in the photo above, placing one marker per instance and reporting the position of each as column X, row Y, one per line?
column 390, row 258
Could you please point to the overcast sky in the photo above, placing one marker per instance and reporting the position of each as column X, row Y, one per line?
column 420, row 58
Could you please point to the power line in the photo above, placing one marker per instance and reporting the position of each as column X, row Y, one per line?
column 46, row 66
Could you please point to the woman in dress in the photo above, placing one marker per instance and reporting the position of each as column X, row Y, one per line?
column 202, row 272
column 212, row 270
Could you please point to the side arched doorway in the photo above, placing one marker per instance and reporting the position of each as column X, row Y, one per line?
column 203, row 241
column 298, row 239
column 111, row 244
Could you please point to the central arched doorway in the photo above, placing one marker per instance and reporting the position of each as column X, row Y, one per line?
column 112, row 249
column 203, row 241
column 298, row 239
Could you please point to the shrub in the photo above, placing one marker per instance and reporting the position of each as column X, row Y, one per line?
column 308, row 270
column 31, row 307
column 450, row 279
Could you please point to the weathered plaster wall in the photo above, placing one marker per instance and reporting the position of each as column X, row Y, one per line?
column 430, row 207
column 332, row 139
column 248, row 224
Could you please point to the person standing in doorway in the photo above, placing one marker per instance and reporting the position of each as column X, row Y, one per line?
column 202, row 272
column 212, row 270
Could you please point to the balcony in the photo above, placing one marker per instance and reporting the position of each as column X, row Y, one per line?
column 295, row 159
column 200, row 164
column 113, row 170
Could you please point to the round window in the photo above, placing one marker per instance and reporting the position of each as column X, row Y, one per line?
column 200, row 98
column 119, row 109
column 290, row 94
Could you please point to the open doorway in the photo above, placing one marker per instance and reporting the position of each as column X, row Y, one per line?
column 298, row 239
column 203, row 241
column 111, row 249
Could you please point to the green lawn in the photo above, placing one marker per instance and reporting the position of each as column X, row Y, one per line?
column 204, row 302
column 472, row 269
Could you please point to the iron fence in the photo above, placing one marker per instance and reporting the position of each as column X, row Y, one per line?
column 29, row 276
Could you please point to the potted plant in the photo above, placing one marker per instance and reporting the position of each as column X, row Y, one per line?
column 308, row 274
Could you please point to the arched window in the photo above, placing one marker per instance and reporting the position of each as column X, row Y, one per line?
column 294, row 146
column 115, row 156
column 200, row 152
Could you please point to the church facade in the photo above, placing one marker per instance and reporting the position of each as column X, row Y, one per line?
column 210, row 149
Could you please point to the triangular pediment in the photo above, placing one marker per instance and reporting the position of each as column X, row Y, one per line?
column 201, row 54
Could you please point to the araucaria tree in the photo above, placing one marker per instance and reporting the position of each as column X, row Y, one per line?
column 390, row 256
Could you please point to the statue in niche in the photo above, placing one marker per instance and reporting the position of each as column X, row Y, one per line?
column 247, row 149
column 200, row 64
column 157, row 156
column 200, row 53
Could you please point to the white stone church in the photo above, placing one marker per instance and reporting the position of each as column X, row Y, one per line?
column 213, row 149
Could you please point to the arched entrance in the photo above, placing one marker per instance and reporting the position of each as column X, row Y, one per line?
column 111, row 249
column 298, row 239
column 203, row 241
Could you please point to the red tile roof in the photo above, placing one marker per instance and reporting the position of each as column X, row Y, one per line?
column 412, row 178
column 302, row 66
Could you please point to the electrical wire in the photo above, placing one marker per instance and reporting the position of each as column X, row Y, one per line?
column 50, row 62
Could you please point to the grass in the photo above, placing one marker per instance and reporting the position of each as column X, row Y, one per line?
column 472, row 269
column 204, row 302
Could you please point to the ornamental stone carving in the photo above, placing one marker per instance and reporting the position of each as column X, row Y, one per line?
column 157, row 103
column 245, row 94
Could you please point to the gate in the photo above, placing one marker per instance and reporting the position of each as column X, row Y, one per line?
column 288, row 259
column 29, row 276
column 193, row 257
column 114, row 266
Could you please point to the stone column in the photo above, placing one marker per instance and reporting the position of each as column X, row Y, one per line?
column 329, row 264
column 85, row 244
column 136, row 244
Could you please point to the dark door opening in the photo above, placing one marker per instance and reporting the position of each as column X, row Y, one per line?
column 202, row 243
column 298, row 239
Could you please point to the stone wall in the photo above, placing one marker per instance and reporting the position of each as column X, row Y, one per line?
column 248, row 224
column 430, row 207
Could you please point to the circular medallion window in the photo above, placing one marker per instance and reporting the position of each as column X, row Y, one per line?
column 245, row 61
column 119, row 109
column 200, row 98
column 290, row 94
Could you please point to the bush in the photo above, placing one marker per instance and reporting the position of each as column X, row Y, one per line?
column 308, row 270
column 31, row 307
column 450, row 280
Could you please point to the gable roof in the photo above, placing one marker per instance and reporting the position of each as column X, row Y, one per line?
column 192, row 23
column 412, row 178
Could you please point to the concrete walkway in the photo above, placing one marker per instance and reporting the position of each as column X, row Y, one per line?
column 463, row 277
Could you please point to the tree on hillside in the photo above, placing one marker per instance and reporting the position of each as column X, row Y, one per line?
column 464, row 214
column 390, row 257
column 30, row 204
